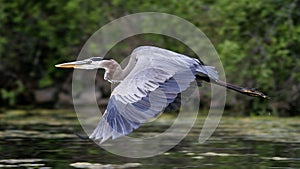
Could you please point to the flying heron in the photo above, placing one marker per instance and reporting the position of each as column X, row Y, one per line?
column 149, row 70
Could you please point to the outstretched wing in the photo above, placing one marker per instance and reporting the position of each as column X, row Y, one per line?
column 155, row 81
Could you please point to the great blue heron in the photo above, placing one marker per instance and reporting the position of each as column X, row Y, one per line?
column 150, row 69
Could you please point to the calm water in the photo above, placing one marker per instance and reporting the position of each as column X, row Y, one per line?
column 45, row 139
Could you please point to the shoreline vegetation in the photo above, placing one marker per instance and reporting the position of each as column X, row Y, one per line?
column 257, row 41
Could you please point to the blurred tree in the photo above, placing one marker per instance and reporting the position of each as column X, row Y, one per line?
column 35, row 35
column 258, row 42
column 259, row 45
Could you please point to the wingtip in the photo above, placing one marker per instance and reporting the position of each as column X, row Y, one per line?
column 82, row 137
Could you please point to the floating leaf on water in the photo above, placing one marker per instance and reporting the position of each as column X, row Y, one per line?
column 15, row 113
column 129, row 165
column 217, row 154
column 8, row 166
column 31, row 165
column 104, row 166
column 85, row 165
column 276, row 158
column 34, row 134
column 16, row 161
column 198, row 157
column 190, row 154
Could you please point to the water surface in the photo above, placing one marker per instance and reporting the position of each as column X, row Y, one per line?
column 46, row 139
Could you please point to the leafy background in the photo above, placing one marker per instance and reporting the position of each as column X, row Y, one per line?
column 258, row 42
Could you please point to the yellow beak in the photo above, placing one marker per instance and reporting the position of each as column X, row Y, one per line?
column 71, row 64
column 65, row 65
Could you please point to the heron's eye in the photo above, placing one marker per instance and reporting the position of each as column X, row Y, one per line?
column 89, row 61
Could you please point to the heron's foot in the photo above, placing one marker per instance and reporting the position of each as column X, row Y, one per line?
column 256, row 93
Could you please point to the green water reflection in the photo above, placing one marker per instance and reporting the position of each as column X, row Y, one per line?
column 45, row 139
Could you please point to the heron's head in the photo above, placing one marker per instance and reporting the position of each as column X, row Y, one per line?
column 90, row 63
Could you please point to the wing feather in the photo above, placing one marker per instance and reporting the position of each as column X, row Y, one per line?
column 155, row 81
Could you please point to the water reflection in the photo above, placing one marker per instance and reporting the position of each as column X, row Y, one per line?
column 45, row 139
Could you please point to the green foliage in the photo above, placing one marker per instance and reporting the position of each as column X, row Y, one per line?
column 10, row 96
column 36, row 35
column 258, row 42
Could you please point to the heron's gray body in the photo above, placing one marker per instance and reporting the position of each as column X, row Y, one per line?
column 155, row 77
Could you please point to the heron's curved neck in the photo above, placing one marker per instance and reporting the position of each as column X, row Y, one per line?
column 113, row 70
column 120, row 73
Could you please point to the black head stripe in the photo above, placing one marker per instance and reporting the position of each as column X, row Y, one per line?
column 98, row 58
